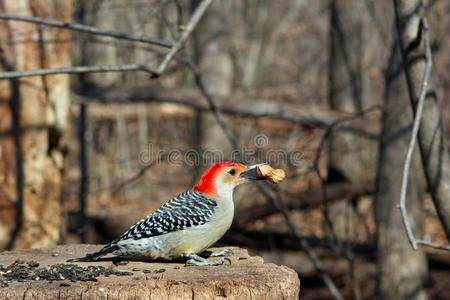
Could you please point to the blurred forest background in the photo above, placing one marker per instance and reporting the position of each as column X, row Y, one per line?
column 318, row 88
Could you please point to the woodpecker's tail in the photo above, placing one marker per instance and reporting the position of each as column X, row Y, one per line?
column 94, row 256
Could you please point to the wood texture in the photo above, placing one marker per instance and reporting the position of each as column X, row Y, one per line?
column 246, row 278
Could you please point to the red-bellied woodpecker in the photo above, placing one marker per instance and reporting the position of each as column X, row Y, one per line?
column 188, row 223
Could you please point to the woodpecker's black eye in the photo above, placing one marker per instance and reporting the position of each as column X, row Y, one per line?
column 232, row 171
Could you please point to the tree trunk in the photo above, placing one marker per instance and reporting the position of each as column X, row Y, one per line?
column 34, row 115
column 402, row 271
column 350, row 158
column 435, row 158
column 246, row 277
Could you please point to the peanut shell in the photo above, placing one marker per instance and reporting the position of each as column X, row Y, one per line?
column 273, row 175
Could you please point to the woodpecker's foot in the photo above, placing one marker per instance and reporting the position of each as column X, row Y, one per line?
column 224, row 252
column 196, row 260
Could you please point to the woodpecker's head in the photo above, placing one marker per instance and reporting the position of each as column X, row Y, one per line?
column 223, row 177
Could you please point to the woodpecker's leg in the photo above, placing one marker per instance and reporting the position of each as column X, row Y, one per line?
column 196, row 260
column 224, row 252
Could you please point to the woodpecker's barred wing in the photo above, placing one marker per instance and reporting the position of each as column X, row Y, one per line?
column 188, row 209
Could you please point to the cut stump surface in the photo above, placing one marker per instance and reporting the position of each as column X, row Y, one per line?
column 46, row 274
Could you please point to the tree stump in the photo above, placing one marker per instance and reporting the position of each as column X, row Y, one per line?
column 46, row 274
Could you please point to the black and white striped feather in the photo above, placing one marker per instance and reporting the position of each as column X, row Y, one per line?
column 188, row 209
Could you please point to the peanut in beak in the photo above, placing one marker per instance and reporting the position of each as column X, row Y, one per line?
column 273, row 175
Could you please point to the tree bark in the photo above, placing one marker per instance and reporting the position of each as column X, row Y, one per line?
column 434, row 153
column 34, row 115
column 402, row 271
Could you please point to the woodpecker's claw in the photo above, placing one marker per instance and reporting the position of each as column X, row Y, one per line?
column 224, row 252
column 196, row 260
column 216, row 262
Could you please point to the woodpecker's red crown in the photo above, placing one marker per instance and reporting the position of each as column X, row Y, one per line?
column 229, row 171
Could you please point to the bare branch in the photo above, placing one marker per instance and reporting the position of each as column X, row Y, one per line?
column 329, row 129
column 212, row 105
column 309, row 116
column 190, row 26
column 415, row 130
column 309, row 199
column 333, row 126
column 75, row 70
column 412, row 142
column 117, row 188
column 140, row 173
column 433, row 245
column 172, row 27
column 88, row 29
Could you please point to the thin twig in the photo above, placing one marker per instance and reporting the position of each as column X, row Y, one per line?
column 212, row 105
column 88, row 29
column 353, row 278
column 417, row 119
column 172, row 27
column 187, row 30
column 415, row 130
column 337, row 245
column 117, row 188
column 329, row 129
column 76, row 70
column 303, row 242
column 433, row 245
column 139, row 174
column 190, row 26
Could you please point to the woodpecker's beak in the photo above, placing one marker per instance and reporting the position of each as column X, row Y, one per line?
column 250, row 173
